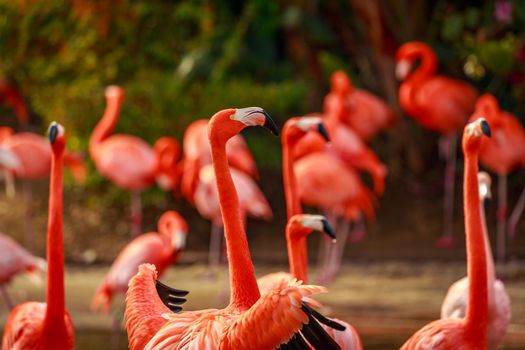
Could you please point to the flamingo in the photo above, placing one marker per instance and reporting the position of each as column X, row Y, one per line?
column 34, row 155
column 332, row 169
column 47, row 326
column 363, row 112
column 126, row 160
column 10, row 95
column 13, row 261
column 198, row 182
column 469, row 332
column 455, row 303
column 276, row 320
column 502, row 154
column 440, row 104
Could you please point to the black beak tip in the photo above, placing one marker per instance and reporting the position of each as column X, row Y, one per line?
column 270, row 124
column 324, row 133
column 52, row 132
column 485, row 128
column 328, row 229
column 486, row 204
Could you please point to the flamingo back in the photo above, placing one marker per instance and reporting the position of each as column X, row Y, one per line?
column 15, row 259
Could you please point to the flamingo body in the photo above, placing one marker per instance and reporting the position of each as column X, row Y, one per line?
column 15, row 259
column 25, row 330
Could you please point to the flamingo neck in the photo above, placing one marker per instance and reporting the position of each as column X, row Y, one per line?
column 428, row 64
column 297, row 249
column 55, row 294
column 106, row 125
column 243, row 283
column 491, row 275
column 297, row 257
column 477, row 307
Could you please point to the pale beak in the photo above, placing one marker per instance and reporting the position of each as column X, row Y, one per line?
column 402, row 70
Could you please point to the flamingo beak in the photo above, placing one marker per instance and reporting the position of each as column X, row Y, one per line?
column 327, row 228
column 270, row 124
column 178, row 240
column 323, row 132
column 52, row 132
column 402, row 69
column 485, row 128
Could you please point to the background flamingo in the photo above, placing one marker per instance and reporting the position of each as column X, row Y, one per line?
column 469, row 332
column 455, row 303
column 280, row 313
column 502, row 154
column 10, row 95
column 126, row 160
column 33, row 155
column 440, row 104
column 160, row 249
column 47, row 325
column 363, row 112
column 13, row 261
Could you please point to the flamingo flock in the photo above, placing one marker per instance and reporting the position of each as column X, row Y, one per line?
column 324, row 157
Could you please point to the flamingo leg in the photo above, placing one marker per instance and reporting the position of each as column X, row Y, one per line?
column 501, row 218
column 338, row 250
column 7, row 299
column 325, row 246
column 214, row 255
column 358, row 232
column 136, row 213
column 447, row 239
column 28, row 222
column 9, row 184
column 516, row 215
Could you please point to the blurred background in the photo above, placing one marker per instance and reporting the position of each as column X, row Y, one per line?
column 184, row 60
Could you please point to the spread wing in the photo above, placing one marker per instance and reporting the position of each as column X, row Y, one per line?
column 280, row 319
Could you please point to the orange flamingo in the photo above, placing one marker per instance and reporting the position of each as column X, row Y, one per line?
column 439, row 104
column 279, row 319
column 47, row 326
column 469, row 332
column 502, row 154
column 10, row 95
column 15, row 260
column 198, row 182
column 362, row 111
column 455, row 303
column 126, row 160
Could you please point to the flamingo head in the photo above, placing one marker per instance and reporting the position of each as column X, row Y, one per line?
column 167, row 150
column 57, row 136
column 473, row 134
column 312, row 123
column 340, row 83
column 114, row 93
column 301, row 225
column 173, row 226
column 408, row 54
column 229, row 122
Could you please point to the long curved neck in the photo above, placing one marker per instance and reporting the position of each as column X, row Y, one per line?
column 106, row 125
column 428, row 65
column 55, row 247
column 491, row 275
column 297, row 249
column 244, row 289
column 477, row 307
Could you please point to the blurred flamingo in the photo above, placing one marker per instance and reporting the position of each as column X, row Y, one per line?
column 13, row 261
column 198, row 182
column 469, row 332
column 160, row 249
column 360, row 110
column 47, row 326
column 10, row 95
column 33, row 155
column 502, row 154
column 279, row 319
column 455, row 303
column 342, row 195
column 440, row 104
column 126, row 160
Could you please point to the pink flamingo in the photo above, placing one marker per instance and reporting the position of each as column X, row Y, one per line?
column 277, row 320
column 469, row 332
column 363, row 112
column 126, row 160
column 455, row 303
column 47, row 326
column 440, row 104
